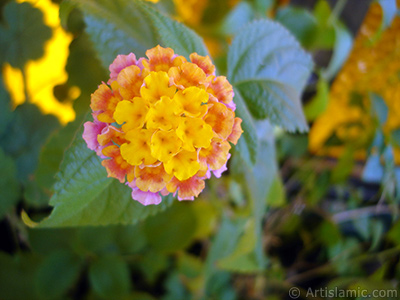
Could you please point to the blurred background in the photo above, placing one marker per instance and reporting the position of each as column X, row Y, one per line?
column 331, row 215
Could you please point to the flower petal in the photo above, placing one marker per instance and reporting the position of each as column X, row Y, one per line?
column 183, row 165
column 137, row 151
column 221, row 119
column 194, row 132
column 104, row 100
column 236, row 131
column 164, row 145
column 187, row 75
column 187, row 189
column 120, row 63
column 156, row 86
column 191, row 102
column 162, row 115
column 204, row 62
column 132, row 114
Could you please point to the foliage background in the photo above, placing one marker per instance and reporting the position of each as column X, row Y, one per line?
column 306, row 210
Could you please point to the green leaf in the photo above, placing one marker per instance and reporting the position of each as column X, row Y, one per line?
column 389, row 9
column 341, row 50
column 276, row 195
column 109, row 277
column 324, row 35
column 24, row 137
column 84, row 195
column 373, row 170
column 9, row 186
column 121, row 27
column 23, row 35
column 178, row 221
column 318, row 104
column 299, row 21
column 57, row 274
column 116, row 27
column 53, row 153
column 17, row 275
column 243, row 259
column 248, row 143
column 241, row 14
column 6, row 114
column 173, row 34
column 379, row 108
column 269, row 69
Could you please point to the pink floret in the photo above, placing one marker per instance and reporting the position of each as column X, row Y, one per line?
column 145, row 198
column 120, row 63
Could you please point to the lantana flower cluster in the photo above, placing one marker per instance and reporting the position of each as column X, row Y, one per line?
column 163, row 124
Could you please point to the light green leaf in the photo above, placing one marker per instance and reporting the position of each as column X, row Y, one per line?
column 276, row 195
column 173, row 34
column 24, row 34
column 49, row 282
column 109, row 277
column 341, row 50
column 240, row 15
column 269, row 69
column 379, row 108
column 243, row 259
column 84, row 195
column 373, row 170
column 9, row 186
column 389, row 9
column 318, row 104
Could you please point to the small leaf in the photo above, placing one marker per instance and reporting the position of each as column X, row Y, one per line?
column 57, row 274
column 109, row 277
column 269, row 68
column 318, row 104
column 24, row 34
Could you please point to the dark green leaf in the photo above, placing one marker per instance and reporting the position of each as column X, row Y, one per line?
column 299, row 21
column 9, row 186
column 17, row 275
column 57, row 274
column 178, row 221
column 25, row 136
column 109, row 277
column 23, row 35
column 269, row 68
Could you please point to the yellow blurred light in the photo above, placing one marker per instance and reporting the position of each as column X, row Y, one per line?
column 43, row 74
